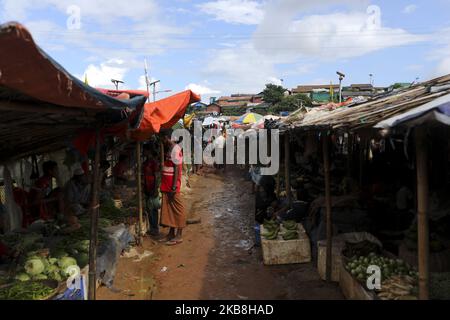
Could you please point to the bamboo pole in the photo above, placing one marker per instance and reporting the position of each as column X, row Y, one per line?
column 362, row 149
column 422, row 212
column 326, row 171
column 278, row 184
column 287, row 169
column 139, row 189
column 94, row 221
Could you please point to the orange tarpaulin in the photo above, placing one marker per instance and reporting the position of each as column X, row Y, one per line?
column 149, row 119
column 162, row 114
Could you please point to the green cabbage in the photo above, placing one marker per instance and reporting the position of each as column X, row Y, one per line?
column 51, row 269
column 22, row 277
column 55, row 276
column 40, row 277
column 66, row 262
column 34, row 266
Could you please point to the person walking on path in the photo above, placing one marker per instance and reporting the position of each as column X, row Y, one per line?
column 173, row 213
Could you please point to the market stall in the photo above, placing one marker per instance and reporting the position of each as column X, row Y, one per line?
column 345, row 138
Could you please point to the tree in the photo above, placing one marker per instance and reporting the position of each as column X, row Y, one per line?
column 273, row 94
column 291, row 103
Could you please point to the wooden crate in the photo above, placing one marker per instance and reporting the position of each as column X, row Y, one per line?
column 336, row 248
column 351, row 288
column 281, row 251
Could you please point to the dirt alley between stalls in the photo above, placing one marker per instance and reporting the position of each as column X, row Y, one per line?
column 218, row 259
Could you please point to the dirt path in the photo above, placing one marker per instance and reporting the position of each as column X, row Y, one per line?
column 217, row 259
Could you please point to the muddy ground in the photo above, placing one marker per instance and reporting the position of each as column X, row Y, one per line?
column 218, row 259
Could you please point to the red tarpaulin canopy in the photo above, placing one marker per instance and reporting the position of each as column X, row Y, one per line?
column 162, row 114
column 149, row 119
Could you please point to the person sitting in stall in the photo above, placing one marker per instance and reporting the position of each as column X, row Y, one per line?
column 77, row 194
column 46, row 202
column 120, row 171
column 265, row 196
column 150, row 170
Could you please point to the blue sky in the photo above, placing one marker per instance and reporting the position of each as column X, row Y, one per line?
column 220, row 47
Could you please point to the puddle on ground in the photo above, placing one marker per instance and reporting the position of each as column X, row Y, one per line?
column 245, row 244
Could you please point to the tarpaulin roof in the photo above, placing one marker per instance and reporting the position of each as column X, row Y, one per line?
column 162, row 114
column 368, row 114
column 437, row 111
column 26, row 68
column 43, row 106
column 132, row 93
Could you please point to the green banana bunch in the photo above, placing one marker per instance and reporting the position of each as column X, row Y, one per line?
column 290, row 235
column 271, row 235
column 290, row 225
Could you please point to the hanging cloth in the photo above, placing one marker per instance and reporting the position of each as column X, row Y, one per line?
column 13, row 212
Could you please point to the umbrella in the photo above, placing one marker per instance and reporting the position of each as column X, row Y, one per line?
column 249, row 118
column 209, row 121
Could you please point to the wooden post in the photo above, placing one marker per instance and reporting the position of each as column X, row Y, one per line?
column 278, row 184
column 329, row 223
column 287, row 169
column 94, row 221
column 422, row 212
column 139, row 189
column 362, row 147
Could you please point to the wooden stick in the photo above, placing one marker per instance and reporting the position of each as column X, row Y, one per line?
column 278, row 184
column 326, row 171
column 287, row 169
column 139, row 189
column 94, row 221
column 362, row 147
column 422, row 212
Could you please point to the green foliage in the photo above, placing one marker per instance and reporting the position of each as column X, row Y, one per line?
column 273, row 94
column 291, row 103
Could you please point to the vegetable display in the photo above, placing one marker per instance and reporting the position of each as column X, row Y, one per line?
column 398, row 288
column 30, row 290
column 358, row 265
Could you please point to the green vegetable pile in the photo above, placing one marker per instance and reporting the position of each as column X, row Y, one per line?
column 37, row 267
column 31, row 290
column 108, row 210
column 358, row 265
column 272, row 228
column 289, row 230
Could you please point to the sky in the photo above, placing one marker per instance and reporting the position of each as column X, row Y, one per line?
column 220, row 47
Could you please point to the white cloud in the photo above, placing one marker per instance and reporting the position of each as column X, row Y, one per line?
column 443, row 67
column 143, row 84
column 201, row 89
column 328, row 36
column 235, row 11
column 440, row 55
column 283, row 39
column 240, row 70
column 410, row 9
column 101, row 75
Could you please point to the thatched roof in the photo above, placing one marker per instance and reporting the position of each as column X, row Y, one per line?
column 368, row 114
